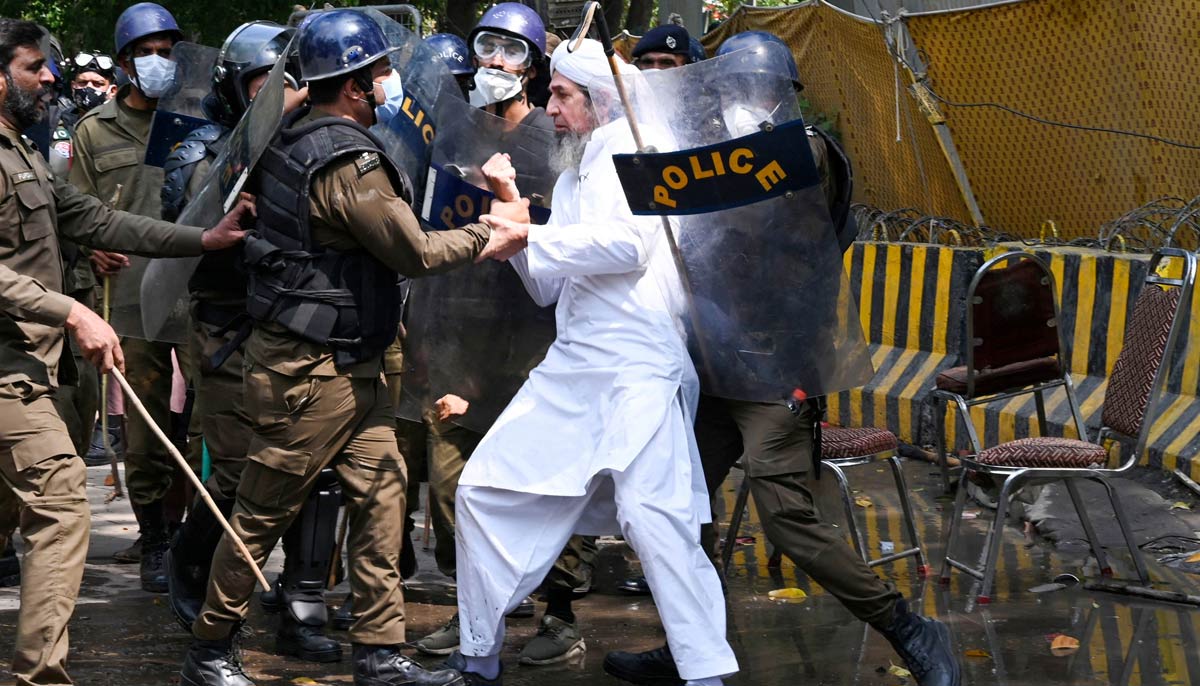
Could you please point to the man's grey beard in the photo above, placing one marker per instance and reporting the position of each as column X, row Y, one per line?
column 21, row 105
column 568, row 152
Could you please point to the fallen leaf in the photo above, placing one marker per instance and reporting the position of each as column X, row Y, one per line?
column 303, row 680
column 1180, row 505
column 1194, row 557
column 863, row 501
column 896, row 670
column 108, row 480
column 788, row 595
column 1064, row 645
column 976, row 652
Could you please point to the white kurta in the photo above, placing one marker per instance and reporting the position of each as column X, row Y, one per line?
column 619, row 359
column 599, row 439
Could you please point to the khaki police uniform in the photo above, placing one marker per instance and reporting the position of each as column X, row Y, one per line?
column 110, row 146
column 308, row 413
column 38, row 463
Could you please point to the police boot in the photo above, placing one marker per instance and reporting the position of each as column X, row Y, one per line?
column 385, row 666
column 133, row 554
column 272, row 600
column 302, row 629
column 154, row 546
column 214, row 663
column 924, row 645
column 188, row 560
column 651, row 668
column 343, row 619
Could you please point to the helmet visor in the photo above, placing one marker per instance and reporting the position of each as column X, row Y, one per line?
column 514, row 52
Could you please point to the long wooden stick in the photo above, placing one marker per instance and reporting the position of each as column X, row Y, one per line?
column 130, row 396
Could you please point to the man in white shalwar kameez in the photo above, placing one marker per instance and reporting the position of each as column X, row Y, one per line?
column 616, row 393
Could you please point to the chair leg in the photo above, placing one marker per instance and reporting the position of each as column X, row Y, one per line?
column 995, row 537
column 960, row 503
column 848, row 503
column 1039, row 402
column 735, row 523
column 910, row 521
column 1088, row 529
column 1134, row 551
column 964, row 416
column 939, row 435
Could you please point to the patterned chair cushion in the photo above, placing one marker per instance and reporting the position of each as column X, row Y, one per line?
column 1141, row 354
column 1045, row 451
column 1008, row 377
column 838, row 442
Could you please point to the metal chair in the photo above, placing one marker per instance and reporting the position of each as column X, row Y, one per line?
column 1014, row 346
column 842, row 448
column 1131, row 404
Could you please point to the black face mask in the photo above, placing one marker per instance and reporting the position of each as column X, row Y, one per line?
column 87, row 98
column 22, row 105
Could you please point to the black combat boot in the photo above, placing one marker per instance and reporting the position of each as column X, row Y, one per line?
column 187, row 562
column 343, row 619
column 651, row 668
column 385, row 666
column 272, row 600
column 924, row 645
column 214, row 663
column 302, row 630
column 155, row 541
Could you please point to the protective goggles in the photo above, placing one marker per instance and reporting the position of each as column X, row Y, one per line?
column 514, row 52
column 84, row 60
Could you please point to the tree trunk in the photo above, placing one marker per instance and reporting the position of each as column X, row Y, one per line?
column 614, row 14
column 461, row 16
column 640, row 12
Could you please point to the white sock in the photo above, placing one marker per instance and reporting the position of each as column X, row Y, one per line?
column 489, row 667
column 710, row 681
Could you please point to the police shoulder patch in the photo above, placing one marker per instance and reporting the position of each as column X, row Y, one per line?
column 366, row 162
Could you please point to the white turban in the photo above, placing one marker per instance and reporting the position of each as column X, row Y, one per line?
column 586, row 64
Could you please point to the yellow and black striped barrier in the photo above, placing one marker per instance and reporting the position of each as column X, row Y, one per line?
column 912, row 310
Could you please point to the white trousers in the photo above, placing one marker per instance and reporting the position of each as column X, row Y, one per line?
column 508, row 541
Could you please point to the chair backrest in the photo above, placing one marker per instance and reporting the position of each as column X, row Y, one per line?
column 1012, row 315
column 1140, row 373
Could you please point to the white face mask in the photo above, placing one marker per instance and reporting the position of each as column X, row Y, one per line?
column 493, row 86
column 393, row 98
column 743, row 120
column 154, row 75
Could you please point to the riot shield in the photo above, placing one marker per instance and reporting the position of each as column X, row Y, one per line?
column 475, row 332
column 179, row 110
column 408, row 136
column 164, row 290
column 770, row 315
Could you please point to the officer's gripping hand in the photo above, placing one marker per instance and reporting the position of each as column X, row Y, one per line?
column 507, row 238
column 501, row 177
column 106, row 263
column 97, row 341
column 230, row 230
column 450, row 406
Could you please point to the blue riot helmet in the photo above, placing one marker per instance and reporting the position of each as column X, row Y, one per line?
column 141, row 20
column 338, row 42
column 515, row 20
column 696, row 50
column 764, row 53
column 252, row 49
column 452, row 51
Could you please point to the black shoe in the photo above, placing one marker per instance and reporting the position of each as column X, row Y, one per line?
column 408, row 558
column 96, row 455
column 153, row 572
column 10, row 567
column 634, row 585
column 186, row 587
column 385, row 666
column 272, row 600
column 213, row 663
column 344, row 618
column 924, row 645
column 305, row 641
column 524, row 610
column 651, row 668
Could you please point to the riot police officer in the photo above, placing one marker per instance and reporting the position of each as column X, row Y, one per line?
column 455, row 54
column 334, row 234
column 109, row 147
column 775, row 444
column 214, row 364
column 508, row 47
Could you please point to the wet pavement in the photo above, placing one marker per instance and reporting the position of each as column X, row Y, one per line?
column 121, row 635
